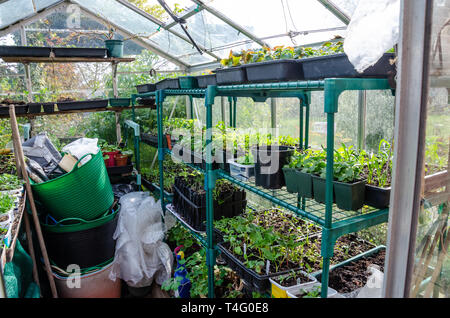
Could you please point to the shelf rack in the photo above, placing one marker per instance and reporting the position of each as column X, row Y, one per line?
column 333, row 221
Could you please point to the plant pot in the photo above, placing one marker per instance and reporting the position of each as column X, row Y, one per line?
column 80, row 105
column 280, row 291
column 319, row 189
column 139, row 292
column 34, row 108
column 93, row 285
column 145, row 88
column 147, row 101
column 111, row 162
column 119, row 102
column 120, row 170
column 121, row 160
column 377, row 197
column 269, row 161
column 5, row 220
column 291, row 180
column 231, row 75
column 168, row 83
column 349, row 196
column 188, row 82
column 49, row 107
column 205, row 80
column 79, row 52
column 275, row 71
column 296, row 293
column 114, row 48
column 25, row 51
column 338, row 66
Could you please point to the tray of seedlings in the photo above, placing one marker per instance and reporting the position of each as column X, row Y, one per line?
column 28, row 51
column 261, row 250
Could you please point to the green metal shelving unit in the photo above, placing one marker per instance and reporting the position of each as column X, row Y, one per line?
column 333, row 221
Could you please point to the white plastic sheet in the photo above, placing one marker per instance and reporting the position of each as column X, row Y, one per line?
column 373, row 30
column 81, row 147
column 374, row 285
column 141, row 256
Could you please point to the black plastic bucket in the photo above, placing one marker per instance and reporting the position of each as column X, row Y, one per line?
column 269, row 162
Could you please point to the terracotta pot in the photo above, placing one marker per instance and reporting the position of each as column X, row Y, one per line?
column 121, row 160
column 112, row 156
column 92, row 285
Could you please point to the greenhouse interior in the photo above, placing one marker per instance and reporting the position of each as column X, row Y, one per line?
column 251, row 149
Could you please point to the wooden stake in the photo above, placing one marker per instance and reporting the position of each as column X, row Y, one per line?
column 19, row 152
column 25, row 216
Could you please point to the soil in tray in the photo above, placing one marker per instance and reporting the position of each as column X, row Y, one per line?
column 365, row 174
column 353, row 276
column 284, row 222
column 8, row 101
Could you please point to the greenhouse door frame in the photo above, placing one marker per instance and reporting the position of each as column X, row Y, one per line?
column 410, row 121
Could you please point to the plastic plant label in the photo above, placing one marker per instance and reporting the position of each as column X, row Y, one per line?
column 245, row 250
column 267, row 267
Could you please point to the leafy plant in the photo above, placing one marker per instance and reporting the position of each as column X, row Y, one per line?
column 9, row 182
column 6, row 203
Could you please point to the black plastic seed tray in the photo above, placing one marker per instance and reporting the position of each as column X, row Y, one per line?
column 232, row 75
column 205, row 80
column 84, row 104
column 25, row 51
column 145, row 88
column 339, row 66
column 168, row 83
column 79, row 52
column 279, row 70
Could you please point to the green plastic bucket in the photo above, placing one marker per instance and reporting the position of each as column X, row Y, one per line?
column 85, row 192
column 77, row 224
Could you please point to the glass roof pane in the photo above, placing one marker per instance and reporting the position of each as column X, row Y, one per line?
column 13, row 11
column 267, row 18
column 211, row 32
column 346, row 6
column 41, row 4
column 120, row 15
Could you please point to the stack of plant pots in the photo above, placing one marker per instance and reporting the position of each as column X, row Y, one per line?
column 191, row 204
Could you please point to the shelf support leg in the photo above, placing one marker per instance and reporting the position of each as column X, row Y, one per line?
column 209, row 186
column 159, row 115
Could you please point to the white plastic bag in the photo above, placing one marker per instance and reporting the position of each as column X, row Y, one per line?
column 373, row 30
column 81, row 147
column 140, row 255
column 374, row 284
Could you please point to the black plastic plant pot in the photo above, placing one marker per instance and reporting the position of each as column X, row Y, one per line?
column 232, row 75
column 188, row 82
column 377, row 197
column 119, row 170
column 168, row 83
column 80, row 105
column 86, row 248
column 319, row 189
column 305, row 184
column 79, row 52
column 49, row 107
column 25, row 51
column 338, row 65
column 349, row 196
column 291, row 180
column 205, row 80
column 34, row 108
column 269, row 163
column 119, row 102
column 145, row 88
column 278, row 70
